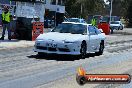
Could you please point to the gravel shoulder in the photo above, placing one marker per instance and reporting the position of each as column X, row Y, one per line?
column 6, row 44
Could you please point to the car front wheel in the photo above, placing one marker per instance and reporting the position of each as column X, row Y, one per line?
column 40, row 53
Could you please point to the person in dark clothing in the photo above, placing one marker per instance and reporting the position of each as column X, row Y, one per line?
column 6, row 23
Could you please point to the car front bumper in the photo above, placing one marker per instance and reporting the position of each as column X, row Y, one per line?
column 58, row 48
column 114, row 27
column 57, row 52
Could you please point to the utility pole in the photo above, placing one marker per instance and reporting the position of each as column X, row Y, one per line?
column 10, row 3
column 111, row 5
column 81, row 10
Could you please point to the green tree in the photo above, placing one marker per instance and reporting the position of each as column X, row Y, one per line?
column 82, row 8
column 129, row 14
column 72, row 8
column 125, row 5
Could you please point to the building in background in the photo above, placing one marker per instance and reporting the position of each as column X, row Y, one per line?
column 54, row 11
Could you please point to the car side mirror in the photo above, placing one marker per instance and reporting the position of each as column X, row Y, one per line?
column 101, row 30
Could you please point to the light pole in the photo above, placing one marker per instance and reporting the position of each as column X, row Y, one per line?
column 111, row 9
column 81, row 10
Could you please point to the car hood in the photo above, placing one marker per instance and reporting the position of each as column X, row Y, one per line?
column 59, row 36
column 114, row 25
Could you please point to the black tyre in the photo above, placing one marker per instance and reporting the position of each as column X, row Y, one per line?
column 111, row 31
column 83, row 50
column 121, row 28
column 81, row 80
column 40, row 53
column 101, row 49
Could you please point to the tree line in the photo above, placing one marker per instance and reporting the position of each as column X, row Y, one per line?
column 83, row 8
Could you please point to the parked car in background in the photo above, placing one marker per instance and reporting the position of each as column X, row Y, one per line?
column 98, row 18
column 49, row 23
column 116, row 25
column 79, row 20
column 71, row 38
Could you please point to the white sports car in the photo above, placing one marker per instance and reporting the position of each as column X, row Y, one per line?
column 71, row 38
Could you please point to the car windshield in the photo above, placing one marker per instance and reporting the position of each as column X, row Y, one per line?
column 73, row 20
column 71, row 28
column 114, row 22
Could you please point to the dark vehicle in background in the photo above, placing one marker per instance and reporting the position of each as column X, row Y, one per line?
column 49, row 23
column 98, row 19
column 77, row 20
column 113, row 18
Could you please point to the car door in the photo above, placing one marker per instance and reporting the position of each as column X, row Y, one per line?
column 93, row 39
column 99, row 38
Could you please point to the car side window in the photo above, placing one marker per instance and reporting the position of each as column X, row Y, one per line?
column 97, row 30
column 92, row 30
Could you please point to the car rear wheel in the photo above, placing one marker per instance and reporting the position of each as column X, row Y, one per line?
column 83, row 50
column 111, row 31
column 121, row 28
column 41, row 54
column 101, row 49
